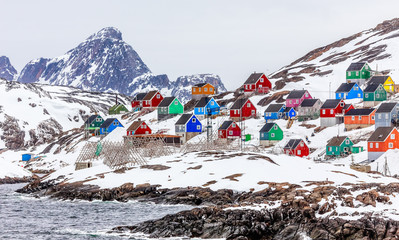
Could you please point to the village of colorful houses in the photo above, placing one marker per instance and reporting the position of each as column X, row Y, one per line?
column 368, row 86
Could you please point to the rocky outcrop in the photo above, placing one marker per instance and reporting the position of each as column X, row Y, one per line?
column 7, row 71
column 13, row 180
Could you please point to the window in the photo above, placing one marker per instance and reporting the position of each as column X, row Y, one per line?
column 296, row 101
column 212, row 103
column 275, row 127
column 366, row 95
column 299, row 152
column 199, row 89
column 158, row 96
column 262, row 134
column 248, row 104
column 98, row 119
column 373, row 117
column 377, row 145
column 379, row 115
column 198, row 127
column 205, row 89
column 261, row 80
column 142, row 126
column 290, row 101
column 341, row 104
column 210, row 89
column 390, row 145
column 301, row 144
column 359, row 95
column 324, row 111
column 386, row 115
column 377, row 95
column 272, row 135
column 306, row 94
column 193, row 89
column 176, row 102
column 329, row 149
column 115, row 123
column 230, row 132
column 253, row 112
column 371, row 145
column 357, row 73
column 353, row 118
column 347, row 141
column 220, row 133
column 146, row 132
column 392, row 136
column 245, row 86
column 331, row 111
column 349, row 74
column 360, row 118
column 194, row 120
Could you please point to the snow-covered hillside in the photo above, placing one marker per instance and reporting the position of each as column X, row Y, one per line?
column 322, row 70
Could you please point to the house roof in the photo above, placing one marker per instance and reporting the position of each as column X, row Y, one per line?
column 183, row 119
column 309, row 102
column 386, row 107
column 200, row 84
column 274, row 107
column 108, row 122
column 203, row 102
column 91, row 119
column 139, row 96
column 166, row 102
column 356, row 66
column 267, row 127
column 295, row 94
column 371, row 88
column 288, row 109
column 336, row 141
column 225, row 125
column 380, row 134
column 239, row 103
column 292, row 143
column 150, row 95
column 331, row 103
column 116, row 106
column 378, row 80
column 359, row 112
column 253, row 78
column 347, row 106
column 135, row 125
column 345, row 87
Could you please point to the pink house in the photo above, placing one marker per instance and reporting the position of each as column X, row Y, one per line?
column 296, row 97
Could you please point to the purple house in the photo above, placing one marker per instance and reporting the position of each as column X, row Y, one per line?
column 296, row 97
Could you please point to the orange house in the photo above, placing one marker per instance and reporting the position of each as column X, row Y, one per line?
column 359, row 118
column 202, row 90
column 383, row 139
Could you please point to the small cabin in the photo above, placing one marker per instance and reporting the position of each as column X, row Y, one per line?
column 385, row 80
column 93, row 123
column 188, row 126
column 137, row 102
column 152, row 99
column 348, row 91
column 383, row 139
column 257, row 82
column 270, row 134
column 206, row 106
column 169, row 107
column 229, row 129
column 274, row 112
column 289, row 113
column 202, row 90
column 242, row 109
column 109, row 125
column 332, row 112
column 309, row 109
column 358, row 73
column 373, row 95
column 387, row 115
column 296, row 97
column 359, row 118
column 339, row 146
column 296, row 147
column 117, row 109
column 138, row 127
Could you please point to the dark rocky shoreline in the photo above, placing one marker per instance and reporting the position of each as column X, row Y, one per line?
column 14, row 180
column 292, row 215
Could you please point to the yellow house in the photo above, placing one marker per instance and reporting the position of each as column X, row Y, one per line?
column 386, row 81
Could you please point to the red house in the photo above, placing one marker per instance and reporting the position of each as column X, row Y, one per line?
column 348, row 107
column 242, row 109
column 383, row 139
column 331, row 112
column 257, row 82
column 138, row 128
column 296, row 147
column 138, row 100
column 229, row 129
column 152, row 99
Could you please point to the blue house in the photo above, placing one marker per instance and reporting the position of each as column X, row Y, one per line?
column 387, row 115
column 187, row 127
column 207, row 106
column 289, row 112
column 109, row 125
column 348, row 91
column 274, row 111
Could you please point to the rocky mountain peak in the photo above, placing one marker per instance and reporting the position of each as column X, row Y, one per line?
column 7, row 71
column 108, row 32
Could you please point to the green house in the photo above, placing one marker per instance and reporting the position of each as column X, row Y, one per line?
column 117, row 109
column 169, row 107
column 93, row 124
column 270, row 134
column 373, row 95
column 339, row 146
column 358, row 73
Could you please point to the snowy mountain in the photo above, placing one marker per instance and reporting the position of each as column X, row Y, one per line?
column 378, row 46
column 103, row 63
column 35, row 114
column 7, row 71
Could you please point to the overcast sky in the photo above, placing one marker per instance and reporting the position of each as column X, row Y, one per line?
column 180, row 37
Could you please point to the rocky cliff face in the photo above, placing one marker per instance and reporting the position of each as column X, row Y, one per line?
column 377, row 46
column 7, row 71
column 105, row 63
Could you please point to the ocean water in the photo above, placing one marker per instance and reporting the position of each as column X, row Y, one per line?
column 25, row 217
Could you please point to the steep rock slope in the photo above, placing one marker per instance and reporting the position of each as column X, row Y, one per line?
column 7, row 71
column 378, row 46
